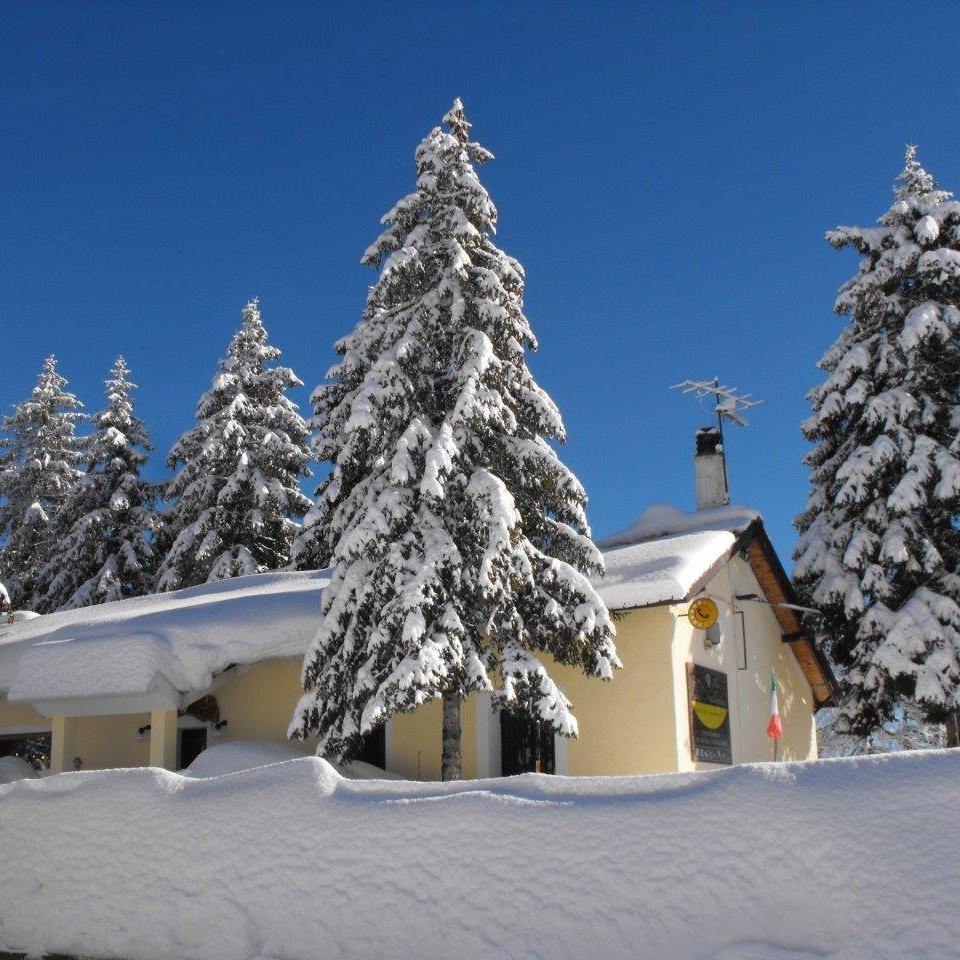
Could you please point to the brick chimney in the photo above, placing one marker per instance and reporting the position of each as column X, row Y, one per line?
column 710, row 469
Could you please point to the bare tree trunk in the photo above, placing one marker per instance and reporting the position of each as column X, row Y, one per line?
column 953, row 728
column 450, row 766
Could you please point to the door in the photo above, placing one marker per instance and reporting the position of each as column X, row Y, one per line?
column 193, row 741
column 374, row 749
column 526, row 745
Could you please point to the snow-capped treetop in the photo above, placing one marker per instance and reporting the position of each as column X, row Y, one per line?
column 38, row 467
column 459, row 540
column 107, row 524
column 878, row 551
column 237, row 490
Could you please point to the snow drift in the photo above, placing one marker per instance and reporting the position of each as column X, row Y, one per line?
column 839, row 858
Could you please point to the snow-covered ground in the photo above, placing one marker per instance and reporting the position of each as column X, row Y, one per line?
column 853, row 858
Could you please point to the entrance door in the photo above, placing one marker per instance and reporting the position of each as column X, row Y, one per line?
column 374, row 749
column 193, row 741
column 526, row 745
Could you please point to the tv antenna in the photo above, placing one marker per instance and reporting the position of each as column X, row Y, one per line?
column 728, row 405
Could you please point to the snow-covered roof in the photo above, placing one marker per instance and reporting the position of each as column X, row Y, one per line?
column 185, row 637
column 663, row 520
column 667, row 552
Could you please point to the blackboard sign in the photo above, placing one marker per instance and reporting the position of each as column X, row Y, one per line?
column 709, row 714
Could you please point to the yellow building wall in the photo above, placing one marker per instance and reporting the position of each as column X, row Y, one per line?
column 106, row 742
column 20, row 715
column 626, row 724
column 258, row 703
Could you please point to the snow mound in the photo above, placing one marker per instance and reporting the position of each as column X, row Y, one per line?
column 293, row 861
column 664, row 520
column 16, row 768
column 226, row 758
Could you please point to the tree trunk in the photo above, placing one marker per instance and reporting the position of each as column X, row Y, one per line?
column 450, row 765
column 953, row 728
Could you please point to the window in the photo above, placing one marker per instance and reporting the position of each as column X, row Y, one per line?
column 526, row 745
column 32, row 747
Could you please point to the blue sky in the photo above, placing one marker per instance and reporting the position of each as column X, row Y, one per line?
column 665, row 172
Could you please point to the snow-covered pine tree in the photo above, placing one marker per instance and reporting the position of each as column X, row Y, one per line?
column 236, row 493
column 37, row 470
column 106, row 525
column 459, row 540
column 879, row 550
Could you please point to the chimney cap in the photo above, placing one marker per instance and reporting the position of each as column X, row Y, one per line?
column 709, row 441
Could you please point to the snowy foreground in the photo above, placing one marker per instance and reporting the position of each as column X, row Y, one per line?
column 838, row 858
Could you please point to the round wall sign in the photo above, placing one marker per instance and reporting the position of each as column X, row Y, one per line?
column 703, row 613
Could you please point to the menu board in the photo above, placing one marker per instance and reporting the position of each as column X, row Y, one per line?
column 709, row 714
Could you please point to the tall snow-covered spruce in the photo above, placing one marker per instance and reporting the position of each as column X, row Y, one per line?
column 458, row 539
column 37, row 470
column 106, row 526
column 879, row 548
column 236, row 492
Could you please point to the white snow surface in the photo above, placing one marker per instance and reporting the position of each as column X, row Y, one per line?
column 664, row 554
column 185, row 636
column 845, row 859
column 664, row 520
column 16, row 768
column 237, row 755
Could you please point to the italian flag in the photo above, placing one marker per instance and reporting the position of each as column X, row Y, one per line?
column 775, row 724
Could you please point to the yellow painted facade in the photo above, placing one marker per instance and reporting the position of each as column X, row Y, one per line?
column 636, row 723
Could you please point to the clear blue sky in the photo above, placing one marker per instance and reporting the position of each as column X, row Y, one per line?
column 665, row 172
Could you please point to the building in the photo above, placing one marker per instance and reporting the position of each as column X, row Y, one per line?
column 156, row 679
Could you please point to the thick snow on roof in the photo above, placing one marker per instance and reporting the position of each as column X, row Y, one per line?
column 844, row 859
column 663, row 520
column 660, row 571
column 185, row 636
column 660, row 557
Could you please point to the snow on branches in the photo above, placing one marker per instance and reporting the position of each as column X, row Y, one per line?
column 37, row 470
column 458, row 538
column 107, row 524
column 879, row 549
column 236, row 491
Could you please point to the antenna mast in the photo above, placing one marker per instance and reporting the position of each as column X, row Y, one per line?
column 728, row 404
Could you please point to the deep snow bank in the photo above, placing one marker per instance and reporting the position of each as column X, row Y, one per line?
column 841, row 858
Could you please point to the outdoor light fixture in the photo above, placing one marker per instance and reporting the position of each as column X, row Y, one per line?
column 216, row 729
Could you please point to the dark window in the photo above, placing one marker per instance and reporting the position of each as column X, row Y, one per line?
column 526, row 745
column 193, row 741
column 32, row 747
column 374, row 749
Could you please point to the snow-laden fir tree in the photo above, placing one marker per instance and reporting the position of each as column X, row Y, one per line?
column 879, row 547
column 459, row 540
column 236, row 491
column 106, row 525
column 907, row 729
column 38, row 468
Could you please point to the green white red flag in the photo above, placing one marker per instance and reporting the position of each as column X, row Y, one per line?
column 775, row 724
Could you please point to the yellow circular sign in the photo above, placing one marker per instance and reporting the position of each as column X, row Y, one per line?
column 703, row 613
